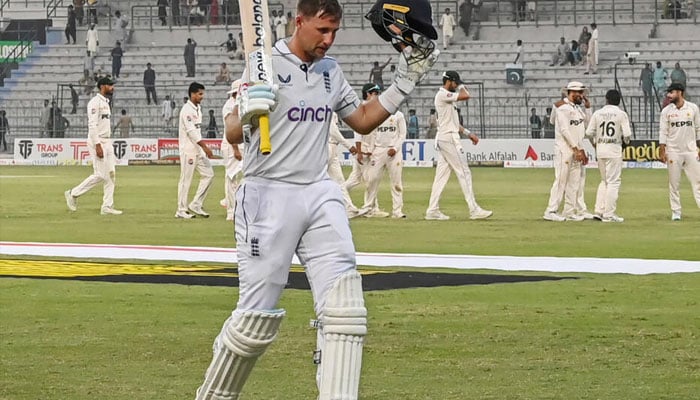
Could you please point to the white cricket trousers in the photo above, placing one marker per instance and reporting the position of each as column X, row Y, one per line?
column 567, row 179
column 103, row 170
column 335, row 171
column 355, row 178
column 232, row 177
column 451, row 158
column 379, row 160
column 188, row 164
column 690, row 163
column 609, row 187
column 276, row 220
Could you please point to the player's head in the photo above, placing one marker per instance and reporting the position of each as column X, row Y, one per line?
column 235, row 86
column 196, row 92
column 405, row 23
column 123, row 112
column 451, row 80
column 105, row 85
column 574, row 91
column 370, row 89
column 675, row 92
column 316, row 24
column 613, row 97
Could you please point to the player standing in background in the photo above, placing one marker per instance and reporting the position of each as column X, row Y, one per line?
column 450, row 151
column 194, row 154
column 679, row 145
column 288, row 205
column 608, row 129
column 335, row 171
column 569, row 156
column 386, row 154
column 232, row 155
column 99, row 144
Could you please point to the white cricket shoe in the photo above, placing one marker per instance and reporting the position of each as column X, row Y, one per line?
column 436, row 216
column 598, row 217
column 613, row 218
column 398, row 215
column 481, row 214
column 377, row 214
column 229, row 217
column 575, row 218
column 183, row 215
column 552, row 216
column 676, row 216
column 223, row 203
column 587, row 215
column 199, row 212
column 70, row 201
column 110, row 211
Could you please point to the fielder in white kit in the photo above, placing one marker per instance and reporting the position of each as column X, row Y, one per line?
column 608, row 129
column 232, row 155
column 335, row 170
column 288, row 205
column 194, row 155
column 101, row 152
column 679, row 144
column 450, row 151
column 386, row 154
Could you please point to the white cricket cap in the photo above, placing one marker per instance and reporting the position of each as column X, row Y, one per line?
column 573, row 85
column 234, row 87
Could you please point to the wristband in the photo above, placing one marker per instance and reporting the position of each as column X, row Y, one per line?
column 391, row 99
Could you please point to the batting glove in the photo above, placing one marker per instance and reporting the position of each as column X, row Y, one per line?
column 255, row 100
column 412, row 68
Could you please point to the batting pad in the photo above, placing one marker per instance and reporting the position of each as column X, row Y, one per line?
column 344, row 326
column 242, row 340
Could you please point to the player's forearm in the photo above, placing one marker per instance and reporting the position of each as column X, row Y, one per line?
column 233, row 129
column 367, row 117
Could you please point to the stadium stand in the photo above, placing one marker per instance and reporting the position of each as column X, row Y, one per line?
column 497, row 109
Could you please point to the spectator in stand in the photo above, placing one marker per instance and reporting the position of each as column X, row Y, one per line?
column 121, row 28
column 230, row 45
column 79, row 11
column 281, row 26
column 116, row 55
column 4, row 129
column 646, row 81
column 223, row 76
column 44, row 119
column 149, row 84
column 574, row 55
column 92, row 41
column 522, row 6
column 289, row 28
column 167, row 113
column 560, row 57
column 660, row 76
column 432, row 124
column 190, row 58
column 531, row 10
column 447, row 22
column 583, row 40
column 593, row 51
column 70, row 25
column 162, row 11
column 239, row 47
column 547, row 125
column 89, row 64
column 125, row 125
column 74, row 98
column 535, row 124
column 375, row 74
column 465, row 15
column 212, row 129
column 175, row 11
column 413, row 125
column 519, row 53
column 678, row 75
column 92, row 11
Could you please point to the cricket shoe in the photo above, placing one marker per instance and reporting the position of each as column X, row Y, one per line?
column 480, row 214
column 377, row 214
column 676, row 216
column 398, row 215
column 575, row 218
column 354, row 213
column 223, row 203
column 613, row 218
column 588, row 216
column 199, row 212
column 184, row 215
column 229, row 217
column 110, row 211
column 598, row 217
column 70, row 201
column 436, row 216
column 552, row 216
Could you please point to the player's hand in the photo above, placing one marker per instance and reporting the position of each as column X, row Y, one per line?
column 359, row 158
column 391, row 152
column 353, row 150
column 208, row 152
column 237, row 154
column 662, row 155
column 98, row 151
column 474, row 139
column 254, row 101
column 584, row 157
column 412, row 68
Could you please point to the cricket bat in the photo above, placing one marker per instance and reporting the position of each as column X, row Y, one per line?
column 257, row 47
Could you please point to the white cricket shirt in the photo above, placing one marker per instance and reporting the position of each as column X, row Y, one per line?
column 392, row 132
column 308, row 95
column 447, row 116
column 608, row 126
column 570, row 126
column 99, row 120
column 680, row 127
column 190, row 132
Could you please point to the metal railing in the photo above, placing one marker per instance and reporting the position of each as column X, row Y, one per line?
column 18, row 52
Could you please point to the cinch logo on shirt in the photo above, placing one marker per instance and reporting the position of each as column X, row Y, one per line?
column 304, row 113
column 679, row 124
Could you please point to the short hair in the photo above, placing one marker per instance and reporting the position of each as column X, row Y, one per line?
column 613, row 97
column 148, row 64
column 519, row 42
column 194, row 88
column 533, row 109
column 312, row 8
column 123, row 112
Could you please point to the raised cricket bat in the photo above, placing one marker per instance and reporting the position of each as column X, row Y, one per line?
column 257, row 46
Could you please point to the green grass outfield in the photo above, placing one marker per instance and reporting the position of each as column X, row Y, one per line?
column 595, row 337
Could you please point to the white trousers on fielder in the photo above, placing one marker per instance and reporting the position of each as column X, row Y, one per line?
column 103, row 170
column 580, row 206
column 380, row 160
column 276, row 220
column 609, row 187
column 567, row 179
column 451, row 158
column 335, row 171
column 355, row 178
column 232, row 177
column 690, row 163
column 188, row 164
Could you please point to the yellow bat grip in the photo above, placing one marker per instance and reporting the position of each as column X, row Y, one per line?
column 265, row 145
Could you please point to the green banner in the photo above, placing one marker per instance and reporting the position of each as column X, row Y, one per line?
column 7, row 49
